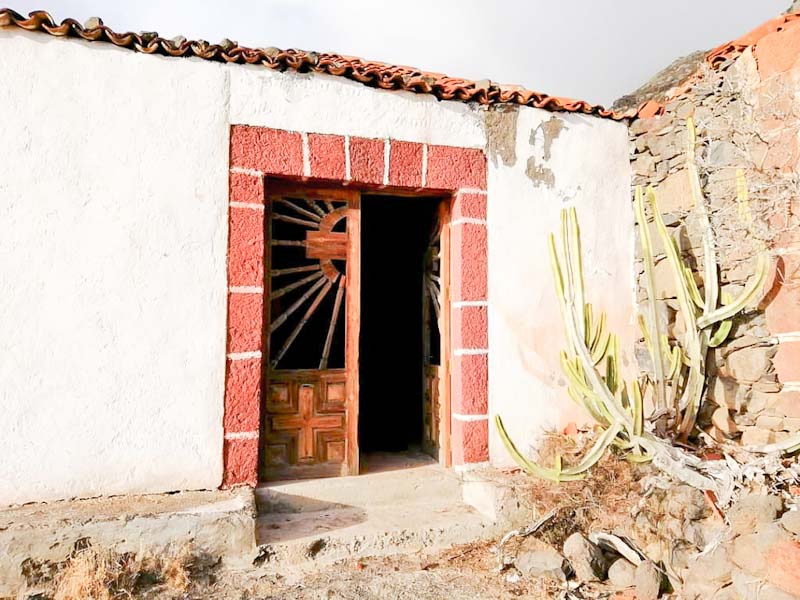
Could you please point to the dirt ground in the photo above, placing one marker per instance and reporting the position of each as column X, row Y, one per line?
column 469, row 571
column 466, row 572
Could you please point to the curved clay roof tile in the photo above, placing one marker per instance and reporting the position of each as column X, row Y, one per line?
column 373, row 74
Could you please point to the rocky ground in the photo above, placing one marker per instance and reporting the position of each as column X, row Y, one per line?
column 625, row 532
column 676, row 544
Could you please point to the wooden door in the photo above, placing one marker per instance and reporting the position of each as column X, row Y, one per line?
column 310, row 424
column 436, row 413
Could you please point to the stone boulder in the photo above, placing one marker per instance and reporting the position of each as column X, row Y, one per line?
column 587, row 560
column 542, row 560
column 753, row 510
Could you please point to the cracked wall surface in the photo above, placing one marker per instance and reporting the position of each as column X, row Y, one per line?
column 558, row 160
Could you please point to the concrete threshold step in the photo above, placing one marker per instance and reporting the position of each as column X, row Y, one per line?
column 406, row 504
column 389, row 479
column 351, row 532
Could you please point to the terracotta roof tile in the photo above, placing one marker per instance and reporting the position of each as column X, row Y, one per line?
column 732, row 49
column 373, row 74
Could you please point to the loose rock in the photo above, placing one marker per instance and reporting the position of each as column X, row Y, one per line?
column 769, row 422
column 753, row 588
column 648, row 581
column 783, row 566
column 542, row 561
column 587, row 560
column 748, row 364
column 622, row 574
column 753, row 510
column 686, row 503
column 714, row 567
column 721, row 418
column 749, row 552
column 755, row 436
column 791, row 521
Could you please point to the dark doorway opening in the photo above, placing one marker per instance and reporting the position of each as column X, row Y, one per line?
column 395, row 233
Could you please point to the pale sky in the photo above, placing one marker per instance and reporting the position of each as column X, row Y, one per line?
column 585, row 49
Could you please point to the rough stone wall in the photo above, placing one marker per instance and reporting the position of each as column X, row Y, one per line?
column 748, row 116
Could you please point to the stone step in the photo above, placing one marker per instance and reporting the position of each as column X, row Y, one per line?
column 387, row 479
column 403, row 503
column 315, row 537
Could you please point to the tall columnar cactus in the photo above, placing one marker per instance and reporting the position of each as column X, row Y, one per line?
column 678, row 379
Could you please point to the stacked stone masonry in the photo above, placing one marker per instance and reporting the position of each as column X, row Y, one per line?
column 747, row 117
column 371, row 164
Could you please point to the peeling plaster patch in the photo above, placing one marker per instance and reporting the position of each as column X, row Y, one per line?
column 537, row 171
column 550, row 129
column 539, row 174
column 501, row 134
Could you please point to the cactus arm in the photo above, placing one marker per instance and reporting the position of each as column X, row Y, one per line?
column 756, row 282
column 595, row 382
column 676, row 360
column 638, row 408
column 645, row 334
column 599, row 351
column 639, row 458
column 574, row 245
column 649, row 269
column 600, row 329
column 587, row 324
column 555, row 267
column 596, row 452
column 693, row 346
column 751, row 290
column 693, row 394
column 570, row 303
column 694, row 291
column 585, row 403
column 675, row 377
column 593, row 402
column 528, row 465
column 612, row 378
column 710, row 280
column 575, row 377
column 721, row 334
column 787, row 446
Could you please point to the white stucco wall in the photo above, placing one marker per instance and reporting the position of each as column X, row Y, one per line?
column 113, row 205
column 334, row 105
column 113, row 239
column 113, row 212
column 586, row 164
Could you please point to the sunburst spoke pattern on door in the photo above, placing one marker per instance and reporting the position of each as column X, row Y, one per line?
column 433, row 280
column 308, row 242
column 432, row 318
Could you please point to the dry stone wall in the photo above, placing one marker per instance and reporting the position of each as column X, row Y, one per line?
column 747, row 113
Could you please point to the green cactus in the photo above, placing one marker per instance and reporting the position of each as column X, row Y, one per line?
column 591, row 361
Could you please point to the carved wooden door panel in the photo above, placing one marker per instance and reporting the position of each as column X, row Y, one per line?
column 309, row 428
column 434, row 375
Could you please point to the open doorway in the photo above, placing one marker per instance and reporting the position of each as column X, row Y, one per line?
column 397, row 322
column 355, row 286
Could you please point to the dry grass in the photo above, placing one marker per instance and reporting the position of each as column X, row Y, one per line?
column 87, row 574
column 601, row 501
column 93, row 574
column 176, row 570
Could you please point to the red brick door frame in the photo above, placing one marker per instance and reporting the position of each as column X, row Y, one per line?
column 369, row 164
